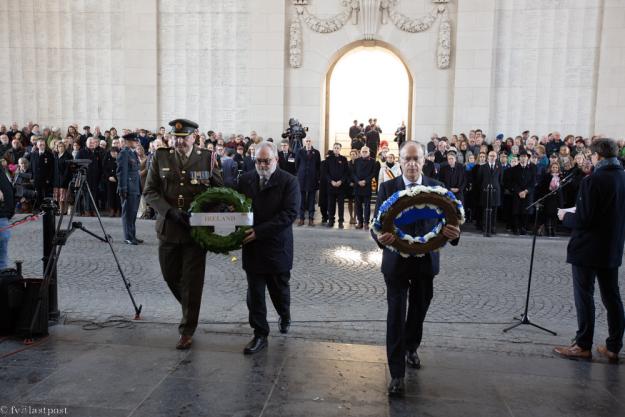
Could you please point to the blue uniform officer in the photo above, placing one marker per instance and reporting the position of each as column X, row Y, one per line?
column 129, row 187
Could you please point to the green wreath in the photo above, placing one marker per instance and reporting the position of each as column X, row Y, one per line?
column 220, row 199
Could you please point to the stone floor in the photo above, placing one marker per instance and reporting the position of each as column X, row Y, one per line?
column 136, row 372
column 332, row 362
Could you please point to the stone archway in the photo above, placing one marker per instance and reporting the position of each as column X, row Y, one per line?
column 353, row 48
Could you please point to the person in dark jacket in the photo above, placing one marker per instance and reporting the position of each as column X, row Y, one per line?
column 42, row 167
column 308, row 167
column 62, row 175
column 408, row 280
column 373, row 141
column 488, row 190
column 94, row 173
column 7, row 209
column 109, row 178
column 596, row 251
column 336, row 177
column 523, row 182
column 363, row 173
column 286, row 158
column 452, row 174
column 268, row 245
column 129, row 187
column 555, row 201
column 249, row 163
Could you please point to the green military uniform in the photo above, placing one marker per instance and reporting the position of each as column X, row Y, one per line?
column 172, row 183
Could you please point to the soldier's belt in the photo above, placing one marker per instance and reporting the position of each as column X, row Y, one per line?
column 180, row 202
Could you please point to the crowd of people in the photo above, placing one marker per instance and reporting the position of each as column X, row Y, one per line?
column 505, row 174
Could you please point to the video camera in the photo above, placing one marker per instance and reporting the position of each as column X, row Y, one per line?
column 24, row 187
column 295, row 133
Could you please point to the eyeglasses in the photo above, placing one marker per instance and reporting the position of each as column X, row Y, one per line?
column 413, row 159
column 263, row 161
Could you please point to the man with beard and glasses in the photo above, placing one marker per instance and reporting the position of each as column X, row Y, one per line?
column 175, row 178
column 268, row 246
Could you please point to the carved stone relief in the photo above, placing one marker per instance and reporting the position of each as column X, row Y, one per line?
column 374, row 12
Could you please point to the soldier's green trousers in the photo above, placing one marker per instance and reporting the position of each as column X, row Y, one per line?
column 183, row 265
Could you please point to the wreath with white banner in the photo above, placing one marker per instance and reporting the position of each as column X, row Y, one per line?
column 418, row 203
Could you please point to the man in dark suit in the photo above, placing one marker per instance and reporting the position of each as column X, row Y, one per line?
column 373, row 141
column 308, row 167
column 363, row 173
column 596, row 250
column 268, row 246
column 453, row 175
column 354, row 130
column 408, row 279
column 489, row 180
column 42, row 166
column 286, row 158
column 94, row 172
column 522, row 182
column 336, row 176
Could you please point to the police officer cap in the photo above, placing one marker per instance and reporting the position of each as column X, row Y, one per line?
column 182, row 127
column 130, row 136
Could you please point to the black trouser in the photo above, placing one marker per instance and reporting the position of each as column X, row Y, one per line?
column 183, row 265
column 583, row 290
column 280, row 293
column 336, row 195
column 404, row 331
column 520, row 221
column 363, row 208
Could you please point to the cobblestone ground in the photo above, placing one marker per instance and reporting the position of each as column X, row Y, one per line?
column 337, row 290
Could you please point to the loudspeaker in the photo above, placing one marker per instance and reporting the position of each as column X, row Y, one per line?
column 31, row 288
column 11, row 296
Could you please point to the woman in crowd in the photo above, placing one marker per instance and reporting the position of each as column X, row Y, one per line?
column 62, row 175
column 109, row 170
column 551, row 204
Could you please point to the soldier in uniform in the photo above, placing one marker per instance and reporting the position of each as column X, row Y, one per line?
column 175, row 177
column 129, row 187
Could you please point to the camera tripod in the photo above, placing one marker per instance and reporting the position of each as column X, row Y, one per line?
column 78, row 188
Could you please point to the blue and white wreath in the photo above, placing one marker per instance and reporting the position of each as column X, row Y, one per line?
column 418, row 203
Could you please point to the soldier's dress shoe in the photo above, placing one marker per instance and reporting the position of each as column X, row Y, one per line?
column 396, row 388
column 285, row 325
column 611, row 356
column 257, row 344
column 184, row 342
column 573, row 352
column 412, row 360
column 130, row 242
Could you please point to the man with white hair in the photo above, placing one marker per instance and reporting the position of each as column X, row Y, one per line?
column 268, row 246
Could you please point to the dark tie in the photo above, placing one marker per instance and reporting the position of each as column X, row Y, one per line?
column 263, row 182
column 412, row 184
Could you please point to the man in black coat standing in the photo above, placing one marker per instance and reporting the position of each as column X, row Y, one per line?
column 596, row 251
column 336, row 176
column 286, row 158
column 42, row 165
column 308, row 167
column 268, row 246
column 453, row 175
column 94, row 172
column 489, row 180
column 363, row 173
column 373, row 141
column 408, row 280
column 523, row 183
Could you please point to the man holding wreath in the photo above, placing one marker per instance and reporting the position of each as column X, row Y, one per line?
column 408, row 279
column 175, row 178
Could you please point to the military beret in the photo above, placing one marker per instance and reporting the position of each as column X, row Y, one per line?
column 182, row 127
column 500, row 136
column 130, row 136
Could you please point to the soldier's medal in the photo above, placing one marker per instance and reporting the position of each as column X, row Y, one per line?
column 194, row 177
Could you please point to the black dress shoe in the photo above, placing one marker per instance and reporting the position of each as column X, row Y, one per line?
column 284, row 324
column 412, row 360
column 341, row 225
column 130, row 242
column 396, row 387
column 257, row 344
column 139, row 241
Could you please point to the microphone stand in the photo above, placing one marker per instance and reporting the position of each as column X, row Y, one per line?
column 524, row 319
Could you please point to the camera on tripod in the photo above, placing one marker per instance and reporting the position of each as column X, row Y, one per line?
column 24, row 187
column 295, row 133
